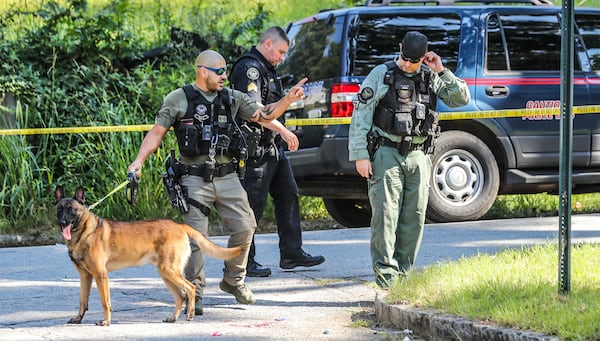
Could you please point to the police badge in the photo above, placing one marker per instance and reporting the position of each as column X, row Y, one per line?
column 252, row 73
column 201, row 110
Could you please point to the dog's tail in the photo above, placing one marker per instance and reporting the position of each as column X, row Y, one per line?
column 210, row 248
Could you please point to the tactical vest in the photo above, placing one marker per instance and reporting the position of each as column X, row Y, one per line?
column 260, row 140
column 207, row 123
column 408, row 107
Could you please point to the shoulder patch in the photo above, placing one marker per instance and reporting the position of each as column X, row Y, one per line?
column 252, row 73
column 252, row 87
column 365, row 94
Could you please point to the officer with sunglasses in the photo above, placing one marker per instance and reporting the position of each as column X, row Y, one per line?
column 211, row 160
column 392, row 134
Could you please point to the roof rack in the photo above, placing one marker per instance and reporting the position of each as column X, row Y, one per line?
column 374, row 3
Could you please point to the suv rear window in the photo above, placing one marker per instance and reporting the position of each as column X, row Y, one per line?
column 378, row 38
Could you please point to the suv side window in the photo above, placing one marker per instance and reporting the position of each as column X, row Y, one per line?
column 319, row 57
column 497, row 58
column 524, row 42
column 590, row 33
column 378, row 36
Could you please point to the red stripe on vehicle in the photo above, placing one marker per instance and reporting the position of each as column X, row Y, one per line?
column 528, row 81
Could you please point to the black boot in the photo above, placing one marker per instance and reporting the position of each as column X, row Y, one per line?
column 303, row 259
column 254, row 269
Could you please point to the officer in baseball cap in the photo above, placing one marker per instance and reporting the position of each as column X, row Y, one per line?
column 413, row 47
column 393, row 130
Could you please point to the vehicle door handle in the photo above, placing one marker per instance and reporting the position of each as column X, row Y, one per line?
column 497, row 91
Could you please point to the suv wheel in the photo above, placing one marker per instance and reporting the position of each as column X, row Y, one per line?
column 349, row 212
column 465, row 178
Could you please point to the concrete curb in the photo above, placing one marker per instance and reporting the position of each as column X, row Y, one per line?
column 430, row 324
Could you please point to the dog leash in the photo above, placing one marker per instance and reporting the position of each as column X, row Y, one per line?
column 132, row 185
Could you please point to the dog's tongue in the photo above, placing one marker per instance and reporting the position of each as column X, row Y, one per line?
column 66, row 232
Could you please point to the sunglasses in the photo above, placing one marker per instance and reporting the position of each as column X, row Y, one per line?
column 411, row 60
column 218, row 71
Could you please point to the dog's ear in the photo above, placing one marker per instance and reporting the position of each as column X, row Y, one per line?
column 80, row 195
column 58, row 194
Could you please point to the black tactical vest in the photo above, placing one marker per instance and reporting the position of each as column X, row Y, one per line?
column 207, row 123
column 408, row 107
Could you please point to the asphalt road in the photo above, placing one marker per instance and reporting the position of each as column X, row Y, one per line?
column 39, row 287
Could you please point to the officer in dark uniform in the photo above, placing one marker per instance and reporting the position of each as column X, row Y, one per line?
column 203, row 116
column 268, row 169
column 394, row 126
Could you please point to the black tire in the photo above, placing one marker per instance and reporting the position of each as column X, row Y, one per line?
column 465, row 179
column 349, row 212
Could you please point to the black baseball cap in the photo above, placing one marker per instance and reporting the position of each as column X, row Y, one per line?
column 414, row 45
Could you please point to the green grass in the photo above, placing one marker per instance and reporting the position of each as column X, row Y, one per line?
column 513, row 288
column 540, row 205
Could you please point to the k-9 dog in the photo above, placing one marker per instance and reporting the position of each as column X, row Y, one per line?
column 98, row 246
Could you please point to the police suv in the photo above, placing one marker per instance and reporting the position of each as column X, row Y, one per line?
column 509, row 55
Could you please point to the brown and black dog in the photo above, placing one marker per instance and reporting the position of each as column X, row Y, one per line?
column 98, row 246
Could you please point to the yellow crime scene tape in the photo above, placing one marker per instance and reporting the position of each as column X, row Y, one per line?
column 530, row 113
column 75, row 130
column 533, row 114
column 459, row 115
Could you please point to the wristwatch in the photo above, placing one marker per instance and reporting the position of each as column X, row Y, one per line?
column 441, row 73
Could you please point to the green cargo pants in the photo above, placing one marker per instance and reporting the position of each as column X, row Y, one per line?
column 398, row 193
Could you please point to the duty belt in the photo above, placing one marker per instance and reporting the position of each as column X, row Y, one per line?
column 400, row 146
column 220, row 170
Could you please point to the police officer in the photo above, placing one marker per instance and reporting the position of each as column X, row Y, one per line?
column 203, row 117
column 268, row 169
column 393, row 129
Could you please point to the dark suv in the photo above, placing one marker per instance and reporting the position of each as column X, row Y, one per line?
column 510, row 57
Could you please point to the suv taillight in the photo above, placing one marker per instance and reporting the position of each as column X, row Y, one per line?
column 341, row 99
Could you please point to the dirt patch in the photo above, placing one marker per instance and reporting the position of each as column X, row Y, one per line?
column 366, row 318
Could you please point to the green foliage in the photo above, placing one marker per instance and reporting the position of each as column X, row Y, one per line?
column 20, row 181
column 312, row 208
